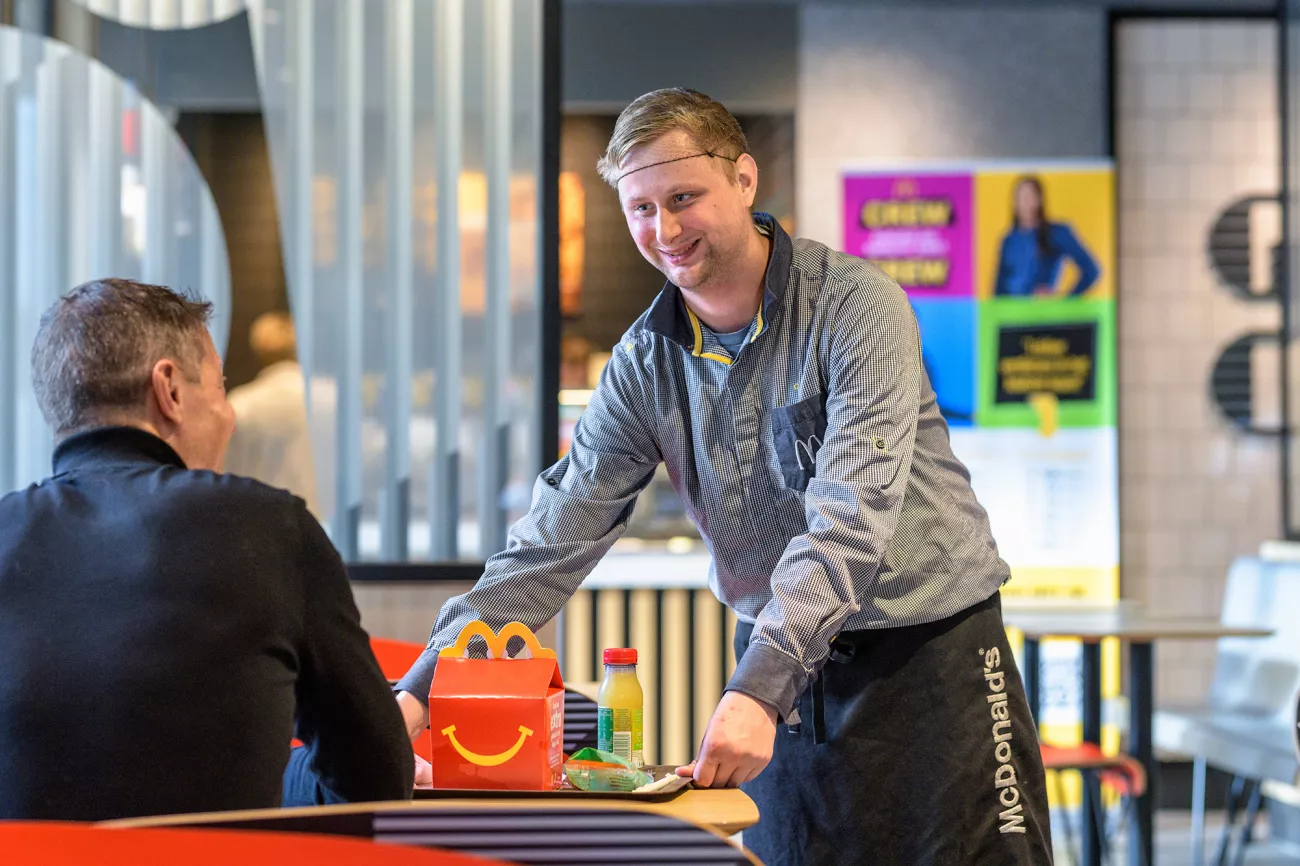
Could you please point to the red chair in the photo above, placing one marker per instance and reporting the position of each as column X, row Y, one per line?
column 52, row 843
column 1121, row 773
column 395, row 658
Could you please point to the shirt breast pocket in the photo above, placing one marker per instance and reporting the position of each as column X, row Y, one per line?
column 797, row 434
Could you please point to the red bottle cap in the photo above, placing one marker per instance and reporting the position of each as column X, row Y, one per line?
column 620, row 656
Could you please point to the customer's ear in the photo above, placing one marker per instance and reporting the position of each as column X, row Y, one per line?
column 165, row 380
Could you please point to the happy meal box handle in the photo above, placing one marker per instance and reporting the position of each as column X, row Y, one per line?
column 497, row 642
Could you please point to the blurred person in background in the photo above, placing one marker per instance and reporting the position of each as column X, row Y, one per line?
column 166, row 629
column 271, row 441
column 1034, row 249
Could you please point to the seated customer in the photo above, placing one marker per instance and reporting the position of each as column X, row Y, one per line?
column 163, row 626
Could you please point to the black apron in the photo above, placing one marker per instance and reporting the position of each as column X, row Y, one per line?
column 915, row 746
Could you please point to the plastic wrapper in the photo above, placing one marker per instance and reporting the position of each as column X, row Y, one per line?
column 594, row 770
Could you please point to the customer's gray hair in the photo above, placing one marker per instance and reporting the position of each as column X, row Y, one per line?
column 97, row 346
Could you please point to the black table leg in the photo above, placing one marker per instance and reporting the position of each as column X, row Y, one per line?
column 1141, row 706
column 1092, row 842
column 1032, row 676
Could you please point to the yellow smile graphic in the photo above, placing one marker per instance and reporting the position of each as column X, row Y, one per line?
column 487, row 760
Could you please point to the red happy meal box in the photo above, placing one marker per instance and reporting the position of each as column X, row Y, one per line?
column 497, row 722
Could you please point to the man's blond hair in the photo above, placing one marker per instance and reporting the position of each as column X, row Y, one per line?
column 713, row 129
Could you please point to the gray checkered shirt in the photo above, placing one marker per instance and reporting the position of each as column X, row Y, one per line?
column 815, row 464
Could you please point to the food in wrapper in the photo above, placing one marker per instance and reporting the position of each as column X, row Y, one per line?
column 594, row 770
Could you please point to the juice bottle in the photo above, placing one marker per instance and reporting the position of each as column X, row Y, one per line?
column 619, row 706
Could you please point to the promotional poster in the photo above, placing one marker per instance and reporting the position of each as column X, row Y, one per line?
column 1010, row 269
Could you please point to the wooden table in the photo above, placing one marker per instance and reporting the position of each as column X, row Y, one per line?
column 726, row 811
column 1139, row 630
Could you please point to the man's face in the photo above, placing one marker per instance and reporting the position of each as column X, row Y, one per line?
column 688, row 218
column 207, row 420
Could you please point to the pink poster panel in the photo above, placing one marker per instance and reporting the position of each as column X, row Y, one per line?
column 916, row 227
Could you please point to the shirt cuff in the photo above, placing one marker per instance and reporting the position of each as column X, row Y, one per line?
column 419, row 679
column 769, row 675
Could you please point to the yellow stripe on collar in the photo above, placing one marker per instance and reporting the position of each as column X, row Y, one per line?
column 698, row 351
column 759, row 328
column 699, row 335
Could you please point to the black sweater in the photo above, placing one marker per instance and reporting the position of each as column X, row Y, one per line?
column 161, row 630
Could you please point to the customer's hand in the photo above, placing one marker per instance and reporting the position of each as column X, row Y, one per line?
column 423, row 772
column 414, row 713
column 737, row 745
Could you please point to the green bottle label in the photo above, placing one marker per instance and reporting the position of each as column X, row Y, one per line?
column 619, row 732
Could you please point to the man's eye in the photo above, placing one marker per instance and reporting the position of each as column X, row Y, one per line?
column 642, row 208
column 682, row 197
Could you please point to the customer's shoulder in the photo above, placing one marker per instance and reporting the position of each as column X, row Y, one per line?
column 20, row 498
column 235, row 491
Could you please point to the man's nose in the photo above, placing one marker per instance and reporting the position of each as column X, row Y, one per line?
column 668, row 229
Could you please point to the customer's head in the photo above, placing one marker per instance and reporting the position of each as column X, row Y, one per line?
column 272, row 338
column 686, row 182
column 118, row 352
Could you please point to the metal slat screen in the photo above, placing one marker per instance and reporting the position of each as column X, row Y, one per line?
column 685, row 657
column 406, row 145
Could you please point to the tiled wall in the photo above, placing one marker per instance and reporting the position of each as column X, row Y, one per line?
column 1196, row 128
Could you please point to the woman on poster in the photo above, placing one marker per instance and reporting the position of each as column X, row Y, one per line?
column 1033, row 250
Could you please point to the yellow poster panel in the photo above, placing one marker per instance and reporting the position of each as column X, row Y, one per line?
column 1068, row 211
column 1096, row 584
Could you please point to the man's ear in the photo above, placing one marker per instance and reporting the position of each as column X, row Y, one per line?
column 747, row 178
column 164, row 383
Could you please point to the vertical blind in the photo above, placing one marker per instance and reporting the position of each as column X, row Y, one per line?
column 405, row 141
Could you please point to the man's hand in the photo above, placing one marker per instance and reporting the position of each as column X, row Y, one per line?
column 737, row 745
column 423, row 773
column 414, row 714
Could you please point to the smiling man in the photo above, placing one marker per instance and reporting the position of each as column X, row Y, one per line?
column 876, row 714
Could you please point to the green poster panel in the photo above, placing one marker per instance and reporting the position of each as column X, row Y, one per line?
column 1046, row 363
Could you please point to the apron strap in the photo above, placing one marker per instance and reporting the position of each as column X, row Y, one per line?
column 843, row 647
column 819, row 712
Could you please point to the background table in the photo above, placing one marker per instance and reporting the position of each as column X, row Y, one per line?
column 1139, row 630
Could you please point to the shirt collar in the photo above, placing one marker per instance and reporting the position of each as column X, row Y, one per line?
column 669, row 316
column 107, row 446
